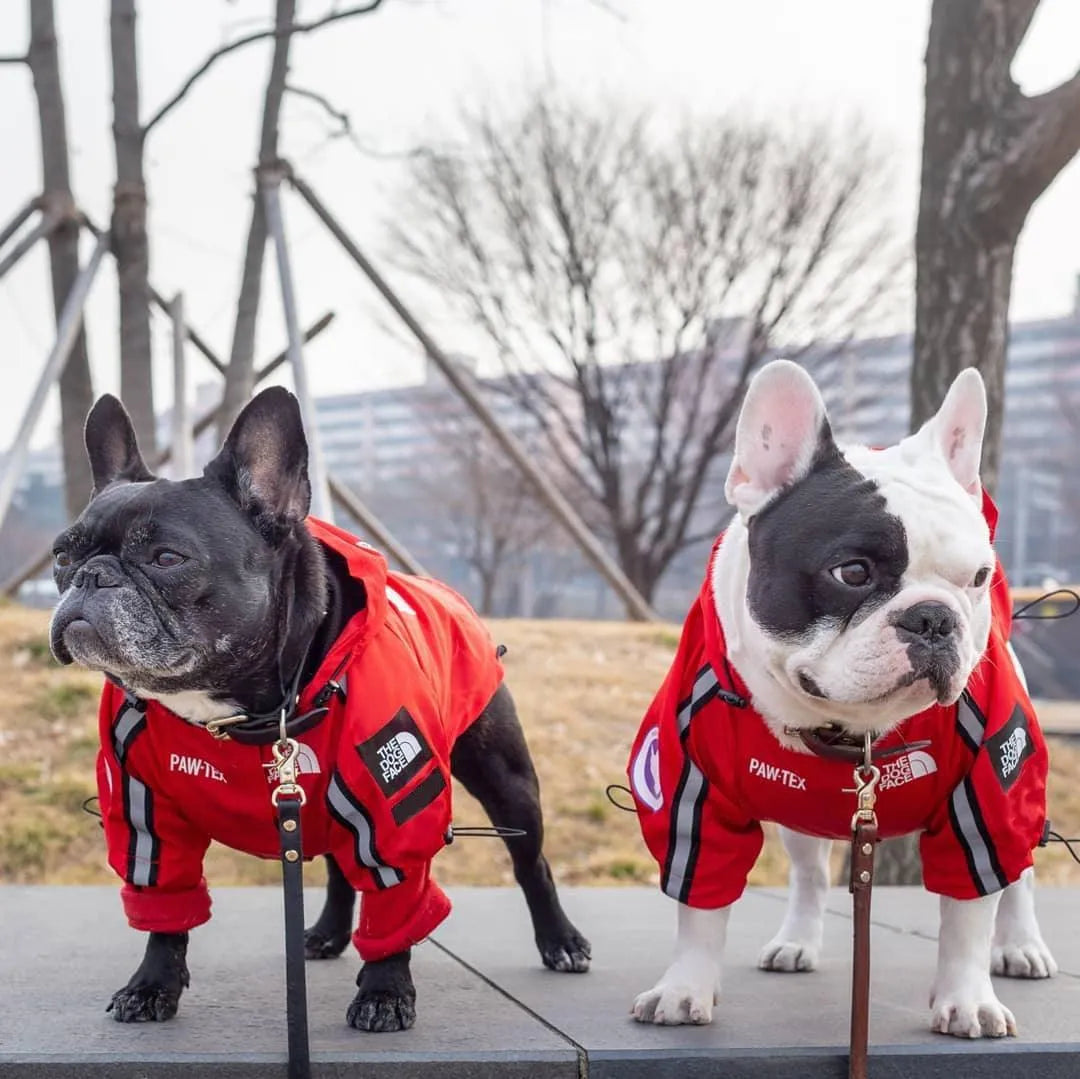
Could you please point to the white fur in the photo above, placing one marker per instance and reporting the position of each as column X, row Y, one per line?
column 930, row 481
column 192, row 704
column 688, row 989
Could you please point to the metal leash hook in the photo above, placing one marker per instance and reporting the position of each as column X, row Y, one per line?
column 864, row 835
column 288, row 798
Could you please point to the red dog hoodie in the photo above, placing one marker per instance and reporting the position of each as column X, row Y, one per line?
column 705, row 769
column 416, row 666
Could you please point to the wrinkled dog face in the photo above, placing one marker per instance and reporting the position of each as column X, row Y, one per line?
column 867, row 590
column 172, row 586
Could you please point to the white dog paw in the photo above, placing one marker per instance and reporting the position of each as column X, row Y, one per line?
column 1029, row 958
column 789, row 955
column 671, row 1005
column 971, row 1015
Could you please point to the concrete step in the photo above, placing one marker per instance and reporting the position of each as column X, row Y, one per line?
column 488, row 1009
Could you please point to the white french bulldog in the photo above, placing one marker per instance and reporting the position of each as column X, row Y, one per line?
column 855, row 590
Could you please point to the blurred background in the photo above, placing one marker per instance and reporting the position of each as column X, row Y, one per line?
column 601, row 217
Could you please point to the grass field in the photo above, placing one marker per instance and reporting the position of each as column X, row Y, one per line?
column 581, row 689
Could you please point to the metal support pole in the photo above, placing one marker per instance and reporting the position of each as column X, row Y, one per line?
column 183, row 448
column 16, row 222
column 45, row 227
column 464, row 384
column 270, row 184
column 192, row 336
column 371, row 524
column 66, row 331
column 203, row 423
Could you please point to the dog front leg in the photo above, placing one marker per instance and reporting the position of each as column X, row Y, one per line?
column 690, row 986
column 386, row 999
column 1019, row 950
column 153, row 993
column 797, row 944
column 963, row 1001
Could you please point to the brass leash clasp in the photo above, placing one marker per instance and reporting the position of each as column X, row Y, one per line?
column 866, row 778
column 286, row 751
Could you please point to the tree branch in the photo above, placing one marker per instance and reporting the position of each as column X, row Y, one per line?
column 261, row 35
column 14, row 59
column 1052, row 138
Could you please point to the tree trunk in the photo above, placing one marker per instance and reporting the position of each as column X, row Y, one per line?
column 240, row 375
column 76, row 389
column 129, row 239
column 988, row 153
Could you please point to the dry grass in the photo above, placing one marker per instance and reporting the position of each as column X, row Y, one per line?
column 581, row 690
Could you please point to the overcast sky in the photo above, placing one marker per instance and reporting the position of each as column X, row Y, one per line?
column 399, row 74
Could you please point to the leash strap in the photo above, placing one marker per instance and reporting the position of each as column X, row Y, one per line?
column 288, row 799
column 864, row 837
column 863, row 844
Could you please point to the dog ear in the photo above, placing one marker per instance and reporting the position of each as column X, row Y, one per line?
column 782, row 426
column 263, row 463
column 955, row 431
column 111, row 445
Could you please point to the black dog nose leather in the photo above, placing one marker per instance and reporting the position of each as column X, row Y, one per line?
column 928, row 621
column 98, row 573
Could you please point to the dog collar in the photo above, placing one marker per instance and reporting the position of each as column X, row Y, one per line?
column 835, row 744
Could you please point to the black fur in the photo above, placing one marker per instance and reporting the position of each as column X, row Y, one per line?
column 833, row 515
column 257, row 576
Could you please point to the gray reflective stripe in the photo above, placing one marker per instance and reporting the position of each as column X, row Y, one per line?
column 982, row 861
column 685, row 831
column 970, row 721
column 357, row 821
column 691, row 791
column 705, row 682
column 124, row 729
column 141, row 852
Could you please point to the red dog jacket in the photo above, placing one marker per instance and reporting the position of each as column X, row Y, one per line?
column 705, row 769
column 417, row 667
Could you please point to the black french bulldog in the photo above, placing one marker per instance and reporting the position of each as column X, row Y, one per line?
column 206, row 597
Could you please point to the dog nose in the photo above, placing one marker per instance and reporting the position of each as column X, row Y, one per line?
column 98, row 574
column 928, row 621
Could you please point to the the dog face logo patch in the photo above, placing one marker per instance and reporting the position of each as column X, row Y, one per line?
column 1010, row 747
column 645, row 773
column 904, row 769
column 395, row 753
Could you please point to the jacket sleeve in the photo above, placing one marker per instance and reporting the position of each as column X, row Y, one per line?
column 150, row 844
column 982, row 838
column 384, row 838
column 703, row 842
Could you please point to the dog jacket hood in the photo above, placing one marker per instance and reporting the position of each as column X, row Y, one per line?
column 705, row 770
column 416, row 666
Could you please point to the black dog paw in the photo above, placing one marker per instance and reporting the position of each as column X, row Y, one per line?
column 568, row 953
column 380, row 1010
column 144, row 1004
column 321, row 945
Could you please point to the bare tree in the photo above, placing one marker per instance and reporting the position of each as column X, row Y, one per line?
column 630, row 283
column 76, row 389
column 130, row 246
column 989, row 152
column 487, row 512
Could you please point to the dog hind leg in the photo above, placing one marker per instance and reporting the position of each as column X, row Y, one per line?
column 1018, row 949
column 797, row 944
column 491, row 759
column 332, row 930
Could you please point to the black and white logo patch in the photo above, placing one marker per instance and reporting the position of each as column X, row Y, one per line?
column 395, row 753
column 1010, row 747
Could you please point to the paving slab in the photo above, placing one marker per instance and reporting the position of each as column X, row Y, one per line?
column 766, row 1024
column 65, row 950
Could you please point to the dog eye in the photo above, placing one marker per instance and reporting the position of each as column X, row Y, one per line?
column 61, row 560
column 168, row 559
column 854, row 574
column 981, row 577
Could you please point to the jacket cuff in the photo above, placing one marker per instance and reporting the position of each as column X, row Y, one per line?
column 155, row 911
column 396, row 918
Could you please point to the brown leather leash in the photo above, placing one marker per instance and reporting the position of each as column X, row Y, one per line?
column 833, row 744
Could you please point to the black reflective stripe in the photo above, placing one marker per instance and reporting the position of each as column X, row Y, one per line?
column 420, row 797
column 349, row 812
